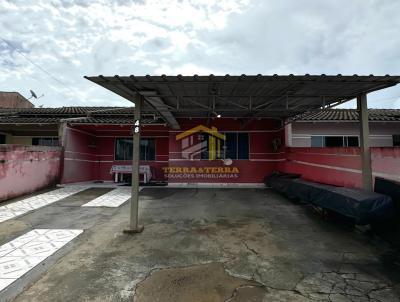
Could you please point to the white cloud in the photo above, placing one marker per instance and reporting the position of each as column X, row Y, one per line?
column 186, row 69
column 71, row 39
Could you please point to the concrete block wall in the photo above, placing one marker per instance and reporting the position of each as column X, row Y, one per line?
column 25, row 169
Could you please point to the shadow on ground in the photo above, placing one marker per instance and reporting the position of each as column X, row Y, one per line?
column 217, row 245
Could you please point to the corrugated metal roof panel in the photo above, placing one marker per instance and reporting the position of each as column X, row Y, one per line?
column 246, row 95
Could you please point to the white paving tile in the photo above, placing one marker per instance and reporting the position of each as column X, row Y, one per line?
column 37, row 249
column 31, row 203
column 5, row 215
column 20, row 255
column 15, row 267
column 112, row 199
column 16, row 243
column 5, row 282
column 57, row 235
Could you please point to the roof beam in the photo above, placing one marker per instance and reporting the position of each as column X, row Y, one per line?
column 206, row 95
column 163, row 109
column 156, row 102
column 284, row 95
column 124, row 91
column 236, row 79
column 232, row 103
column 199, row 104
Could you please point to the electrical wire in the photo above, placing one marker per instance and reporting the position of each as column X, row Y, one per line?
column 37, row 65
column 395, row 98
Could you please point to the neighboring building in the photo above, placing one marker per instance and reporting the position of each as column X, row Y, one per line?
column 13, row 100
column 96, row 139
column 41, row 126
column 340, row 128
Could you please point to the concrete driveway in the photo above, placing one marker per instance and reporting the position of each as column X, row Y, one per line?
column 206, row 245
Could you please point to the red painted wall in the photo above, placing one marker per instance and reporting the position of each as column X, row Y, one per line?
column 80, row 159
column 94, row 163
column 106, row 151
column 89, row 151
column 25, row 169
column 89, row 155
column 340, row 166
column 262, row 158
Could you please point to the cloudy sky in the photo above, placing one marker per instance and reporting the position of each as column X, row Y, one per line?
column 48, row 46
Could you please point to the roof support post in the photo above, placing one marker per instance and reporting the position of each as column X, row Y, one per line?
column 134, row 226
column 62, row 129
column 288, row 134
column 62, row 137
column 362, row 108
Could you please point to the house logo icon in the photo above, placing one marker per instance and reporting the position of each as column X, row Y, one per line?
column 201, row 140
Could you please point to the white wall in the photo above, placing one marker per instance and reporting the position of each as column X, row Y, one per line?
column 380, row 132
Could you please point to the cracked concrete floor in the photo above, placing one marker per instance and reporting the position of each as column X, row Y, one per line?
column 218, row 245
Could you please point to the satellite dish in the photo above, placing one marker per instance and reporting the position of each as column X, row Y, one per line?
column 33, row 94
column 227, row 161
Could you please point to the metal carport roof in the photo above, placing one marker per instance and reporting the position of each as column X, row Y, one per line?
column 245, row 96
column 242, row 96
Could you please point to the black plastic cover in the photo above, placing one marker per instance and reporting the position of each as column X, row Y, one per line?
column 363, row 206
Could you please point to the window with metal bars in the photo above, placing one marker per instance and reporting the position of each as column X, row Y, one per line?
column 45, row 141
column 396, row 140
column 123, row 149
column 334, row 141
column 235, row 146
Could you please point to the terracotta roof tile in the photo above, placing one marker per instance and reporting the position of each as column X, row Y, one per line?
column 118, row 115
column 78, row 115
column 352, row 115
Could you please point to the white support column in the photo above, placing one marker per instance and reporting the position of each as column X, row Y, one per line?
column 62, row 129
column 362, row 108
column 288, row 135
column 62, row 139
column 134, row 226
